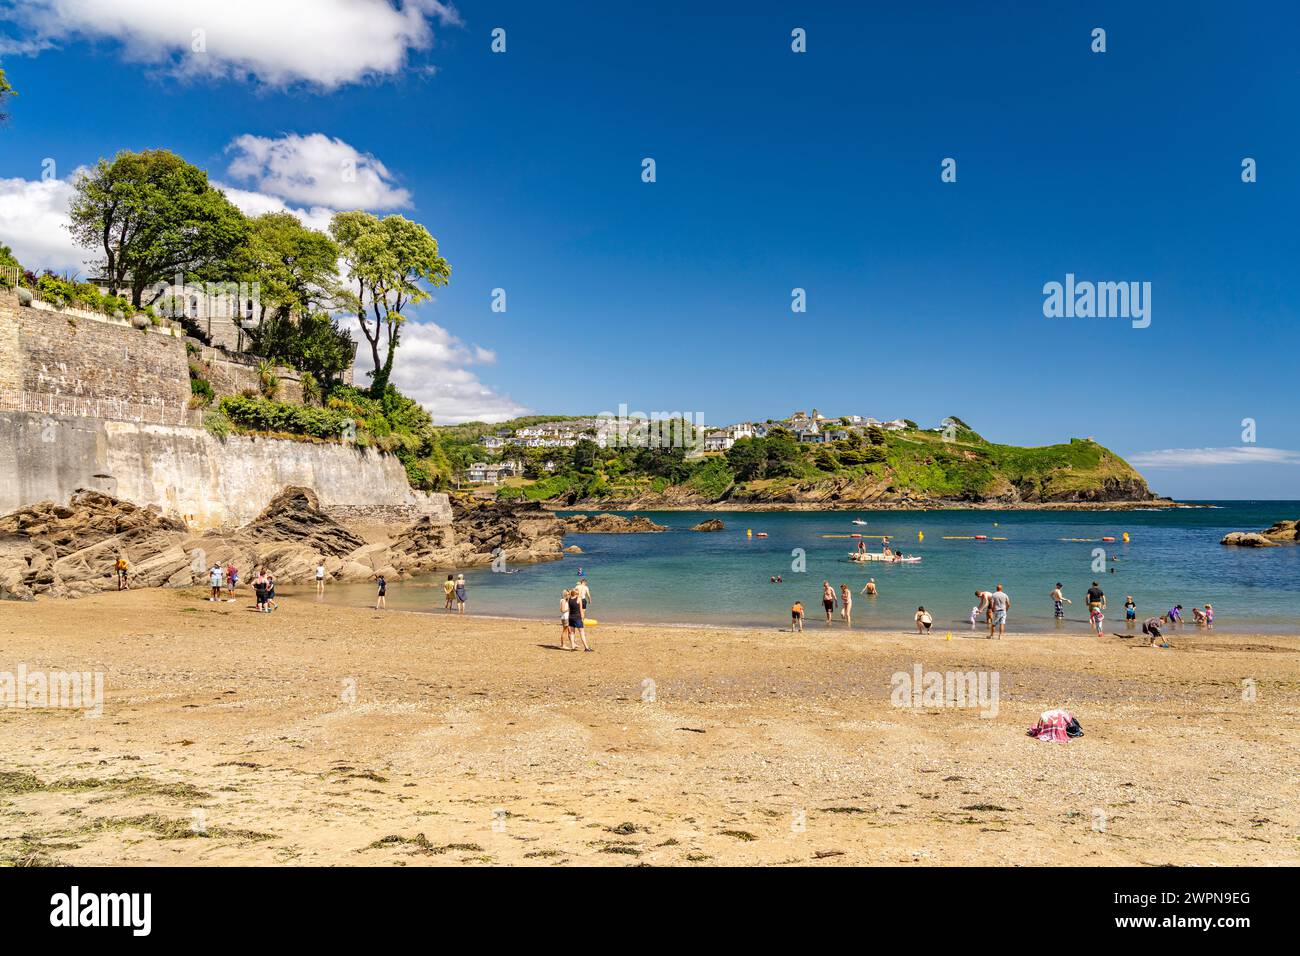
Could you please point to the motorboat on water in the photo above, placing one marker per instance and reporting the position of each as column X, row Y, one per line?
column 859, row 521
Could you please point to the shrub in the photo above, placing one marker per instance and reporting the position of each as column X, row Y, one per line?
column 201, row 388
column 267, row 415
column 217, row 424
column 58, row 292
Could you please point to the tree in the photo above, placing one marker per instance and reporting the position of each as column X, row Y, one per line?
column 387, row 261
column 151, row 215
column 747, row 458
column 6, row 92
column 296, row 271
column 296, row 268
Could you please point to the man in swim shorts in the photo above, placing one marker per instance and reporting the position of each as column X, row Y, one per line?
column 1000, row 603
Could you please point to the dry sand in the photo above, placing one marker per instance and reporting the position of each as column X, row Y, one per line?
column 328, row 735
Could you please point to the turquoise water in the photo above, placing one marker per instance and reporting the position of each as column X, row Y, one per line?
column 722, row 578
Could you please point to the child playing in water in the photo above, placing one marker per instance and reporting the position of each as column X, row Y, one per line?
column 974, row 616
column 1209, row 615
column 796, row 616
column 923, row 620
column 1130, row 609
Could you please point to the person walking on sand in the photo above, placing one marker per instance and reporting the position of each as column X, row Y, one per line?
column 923, row 620
column 320, row 576
column 576, row 627
column 1000, row 602
column 460, row 596
column 381, row 598
column 565, row 633
column 869, row 589
column 828, row 600
column 584, row 593
column 232, row 580
column 271, row 604
column 121, row 567
column 449, row 592
column 1058, row 600
column 796, row 617
column 846, row 604
column 1096, row 607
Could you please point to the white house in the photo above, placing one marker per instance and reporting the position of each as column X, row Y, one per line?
column 718, row 441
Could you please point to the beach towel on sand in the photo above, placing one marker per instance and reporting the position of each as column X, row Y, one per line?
column 1057, row 725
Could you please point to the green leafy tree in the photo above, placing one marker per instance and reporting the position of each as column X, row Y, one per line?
column 149, row 215
column 296, row 270
column 747, row 458
column 391, row 264
column 7, row 92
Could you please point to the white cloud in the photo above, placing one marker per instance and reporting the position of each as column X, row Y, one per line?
column 1198, row 457
column 326, row 43
column 432, row 366
column 34, row 223
column 252, row 203
column 315, row 170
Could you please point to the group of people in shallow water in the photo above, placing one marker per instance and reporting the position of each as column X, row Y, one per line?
column 995, row 605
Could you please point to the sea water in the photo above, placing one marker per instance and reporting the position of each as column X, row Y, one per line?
column 684, row 577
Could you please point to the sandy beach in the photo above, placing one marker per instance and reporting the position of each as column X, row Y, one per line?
column 328, row 735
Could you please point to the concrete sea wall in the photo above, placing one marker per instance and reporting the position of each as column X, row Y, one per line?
column 89, row 402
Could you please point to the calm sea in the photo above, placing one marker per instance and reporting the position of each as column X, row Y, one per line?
column 722, row 578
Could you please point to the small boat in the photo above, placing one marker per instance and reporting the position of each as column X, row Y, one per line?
column 760, row 534
column 859, row 521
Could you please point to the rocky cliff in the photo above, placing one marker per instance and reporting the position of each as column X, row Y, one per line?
column 71, row 550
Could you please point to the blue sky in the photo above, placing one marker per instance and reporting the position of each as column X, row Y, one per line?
column 775, row 170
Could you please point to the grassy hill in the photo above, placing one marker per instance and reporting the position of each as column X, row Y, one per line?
column 911, row 467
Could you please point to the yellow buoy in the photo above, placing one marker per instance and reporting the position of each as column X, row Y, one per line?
column 1126, row 537
column 749, row 532
column 920, row 536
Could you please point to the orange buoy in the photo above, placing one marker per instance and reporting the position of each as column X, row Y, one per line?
column 981, row 537
column 1108, row 539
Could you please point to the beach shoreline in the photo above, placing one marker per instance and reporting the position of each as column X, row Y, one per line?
column 850, row 506
column 325, row 734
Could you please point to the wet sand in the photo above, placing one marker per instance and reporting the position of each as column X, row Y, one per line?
column 333, row 735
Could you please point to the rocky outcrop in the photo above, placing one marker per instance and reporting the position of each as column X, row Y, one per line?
column 478, row 534
column 294, row 515
column 71, row 550
column 713, row 524
column 1281, row 532
column 610, row 524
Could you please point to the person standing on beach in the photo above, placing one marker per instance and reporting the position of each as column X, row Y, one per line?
column 1000, row 603
column 460, row 598
column 216, row 578
column 232, row 580
column 565, row 633
column 449, row 592
column 1058, row 599
column 576, row 624
column 120, row 566
column 381, row 598
column 584, row 593
column 796, row 617
column 1096, row 607
column 320, row 577
column 846, row 604
column 986, row 604
column 259, row 588
column 828, row 600
column 870, row 588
